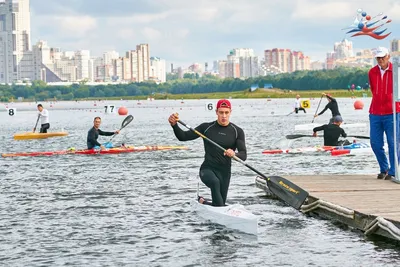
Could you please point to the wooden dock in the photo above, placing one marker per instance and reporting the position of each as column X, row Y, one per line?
column 360, row 201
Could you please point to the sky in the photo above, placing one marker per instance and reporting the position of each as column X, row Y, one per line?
column 186, row 31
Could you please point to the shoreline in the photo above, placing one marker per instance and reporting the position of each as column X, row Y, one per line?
column 259, row 93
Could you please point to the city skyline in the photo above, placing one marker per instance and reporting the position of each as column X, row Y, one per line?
column 183, row 33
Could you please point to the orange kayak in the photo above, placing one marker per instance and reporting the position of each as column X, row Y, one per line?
column 115, row 150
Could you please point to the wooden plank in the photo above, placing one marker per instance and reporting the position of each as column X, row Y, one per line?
column 363, row 193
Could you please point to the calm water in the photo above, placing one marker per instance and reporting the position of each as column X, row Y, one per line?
column 133, row 209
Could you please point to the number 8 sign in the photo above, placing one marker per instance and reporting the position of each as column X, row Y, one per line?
column 11, row 111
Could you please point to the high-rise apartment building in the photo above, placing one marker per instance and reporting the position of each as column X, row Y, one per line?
column 139, row 60
column 84, row 68
column 241, row 63
column 286, row 60
column 395, row 45
column 16, row 58
column 157, row 70
column 343, row 49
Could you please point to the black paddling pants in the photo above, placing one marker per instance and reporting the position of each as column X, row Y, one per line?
column 44, row 127
column 218, row 181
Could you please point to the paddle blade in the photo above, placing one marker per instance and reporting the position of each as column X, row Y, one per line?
column 126, row 121
column 295, row 136
column 359, row 136
column 290, row 193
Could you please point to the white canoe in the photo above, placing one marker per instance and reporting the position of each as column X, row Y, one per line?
column 232, row 216
column 310, row 126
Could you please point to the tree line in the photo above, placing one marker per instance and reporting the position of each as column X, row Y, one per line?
column 339, row 78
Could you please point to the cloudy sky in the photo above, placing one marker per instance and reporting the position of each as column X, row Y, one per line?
column 187, row 31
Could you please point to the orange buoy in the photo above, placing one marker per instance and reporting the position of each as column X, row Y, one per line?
column 123, row 111
column 358, row 104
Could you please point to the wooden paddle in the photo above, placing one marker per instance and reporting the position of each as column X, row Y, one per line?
column 126, row 121
column 295, row 136
column 34, row 129
column 287, row 191
column 317, row 109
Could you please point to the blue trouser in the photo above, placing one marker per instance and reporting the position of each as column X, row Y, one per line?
column 379, row 124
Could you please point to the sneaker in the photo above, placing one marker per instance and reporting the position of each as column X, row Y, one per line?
column 388, row 177
column 382, row 175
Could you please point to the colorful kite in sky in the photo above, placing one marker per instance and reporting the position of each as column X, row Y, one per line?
column 364, row 24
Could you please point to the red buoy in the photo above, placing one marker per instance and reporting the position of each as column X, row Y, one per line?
column 358, row 104
column 123, row 111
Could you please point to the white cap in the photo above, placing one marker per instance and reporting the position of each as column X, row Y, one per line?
column 381, row 52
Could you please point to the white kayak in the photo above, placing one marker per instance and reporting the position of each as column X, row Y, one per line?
column 310, row 126
column 232, row 216
column 360, row 151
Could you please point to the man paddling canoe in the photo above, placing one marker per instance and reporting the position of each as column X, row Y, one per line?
column 297, row 105
column 44, row 119
column 94, row 133
column 332, row 105
column 332, row 132
column 215, row 171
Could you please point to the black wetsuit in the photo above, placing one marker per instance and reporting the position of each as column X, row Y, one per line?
column 215, row 171
column 332, row 133
column 333, row 106
column 92, row 136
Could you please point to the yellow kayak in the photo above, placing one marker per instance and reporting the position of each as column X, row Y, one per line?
column 30, row 135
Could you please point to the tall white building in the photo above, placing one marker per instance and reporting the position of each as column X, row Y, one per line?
column 16, row 58
column 343, row 49
column 157, row 70
column 242, row 63
column 139, row 62
column 82, row 58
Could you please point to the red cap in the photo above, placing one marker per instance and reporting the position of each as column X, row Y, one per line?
column 223, row 103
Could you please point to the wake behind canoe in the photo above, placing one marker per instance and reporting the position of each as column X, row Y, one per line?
column 116, row 150
column 232, row 216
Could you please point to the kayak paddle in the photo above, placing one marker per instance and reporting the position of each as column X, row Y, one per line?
column 292, row 194
column 317, row 108
column 126, row 121
column 34, row 129
column 295, row 136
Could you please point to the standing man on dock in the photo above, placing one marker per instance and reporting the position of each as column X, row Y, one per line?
column 381, row 113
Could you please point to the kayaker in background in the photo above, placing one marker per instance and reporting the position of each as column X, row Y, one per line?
column 215, row 171
column 332, row 105
column 297, row 105
column 44, row 119
column 332, row 132
column 94, row 133
column 381, row 113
